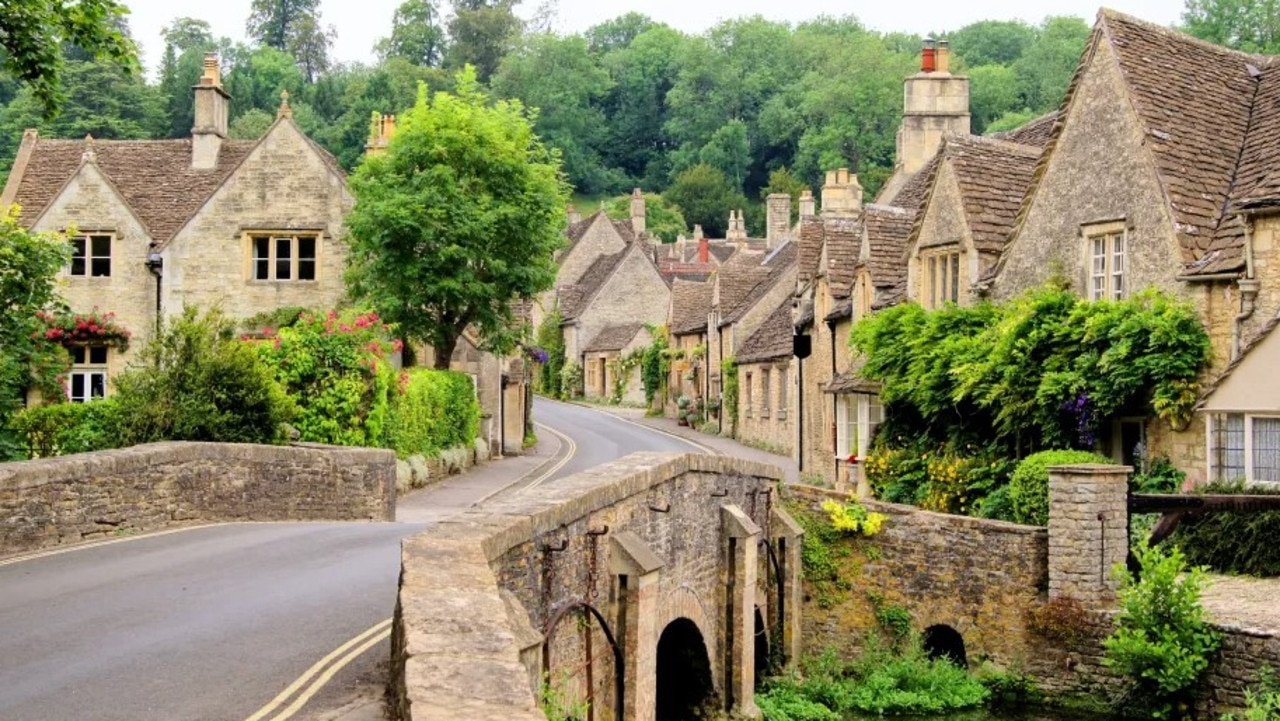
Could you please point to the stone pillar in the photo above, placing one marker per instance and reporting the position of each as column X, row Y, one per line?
column 1088, row 531
column 778, row 219
column 787, row 539
column 637, row 213
column 636, row 628
column 742, row 536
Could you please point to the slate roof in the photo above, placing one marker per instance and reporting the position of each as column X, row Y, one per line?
column 575, row 298
column 613, row 338
column 888, row 230
column 843, row 239
column 851, row 380
column 772, row 340
column 575, row 231
column 993, row 176
column 737, row 278
column 690, row 304
column 1035, row 133
column 842, row 310
column 809, row 247
column 776, row 264
column 154, row 177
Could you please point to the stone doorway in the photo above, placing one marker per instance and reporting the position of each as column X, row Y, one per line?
column 685, row 691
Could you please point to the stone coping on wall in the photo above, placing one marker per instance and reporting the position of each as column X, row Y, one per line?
column 457, row 638
column 991, row 525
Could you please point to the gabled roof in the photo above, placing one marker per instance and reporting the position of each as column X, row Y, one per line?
column 1035, row 132
column 154, row 177
column 575, row 298
column 888, row 230
column 842, row 237
column 613, row 338
column 993, row 176
column 576, row 230
column 775, row 266
column 809, row 247
column 772, row 340
column 851, row 380
column 690, row 304
column 1257, row 340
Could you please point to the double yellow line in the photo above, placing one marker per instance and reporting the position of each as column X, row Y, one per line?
column 567, row 445
column 314, row 679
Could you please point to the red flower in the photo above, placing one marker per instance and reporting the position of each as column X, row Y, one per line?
column 852, row 459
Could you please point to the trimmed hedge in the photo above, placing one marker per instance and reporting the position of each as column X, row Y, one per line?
column 1029, row 485
column 1243, row 543
column 57, row 429
column 437, row 411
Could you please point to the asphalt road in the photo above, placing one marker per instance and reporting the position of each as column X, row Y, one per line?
column 210, row 624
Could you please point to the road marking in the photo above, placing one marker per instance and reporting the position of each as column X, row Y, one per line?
column 706, row 449
column 95, row 544
column 328, row 675
column 567, row 443
column 378, row 631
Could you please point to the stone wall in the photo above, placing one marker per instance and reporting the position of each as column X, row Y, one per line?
column 81, row 497
column 645, row 540
column 773, row 428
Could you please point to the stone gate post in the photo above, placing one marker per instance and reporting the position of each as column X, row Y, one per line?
column 637, row 568
column 787, row 538
column 1088, row 531
column 743, row 537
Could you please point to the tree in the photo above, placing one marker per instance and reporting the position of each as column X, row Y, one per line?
column 481, row 33
column 32, row 34
column 186, row 40
column 1249, row 25
column 729, row 151
column 643, row 70
column 662, row 218
column 994, row 92
column 705, row 197
column 293, row 26
column 457, row 219
column 783, row 181
column 1045, row 70
column 416, row 34
column 992, row 42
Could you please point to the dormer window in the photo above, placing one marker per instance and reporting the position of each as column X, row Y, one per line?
column 91, row 256
column 1106, row 245
column 283, row 257
column 941, row 278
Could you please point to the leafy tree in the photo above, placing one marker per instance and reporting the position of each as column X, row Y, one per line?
column 481, row 33
column 729, row 151
column 186, row 40
column 457, row 219
column 1010, row 120
column 993, row 92
column 662, row 218
column 1249, row 25
column 618, row 33
column 705, row 197
column 643, row 72
column 783, row 181
column 416, row 34
column 32, row 34
column 310, row 46
column 257, row 76
column 992, row 42
column 293, row 26
column 1045, row 70
column 251, row 124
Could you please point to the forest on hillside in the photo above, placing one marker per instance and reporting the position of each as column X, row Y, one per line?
column 714, row 120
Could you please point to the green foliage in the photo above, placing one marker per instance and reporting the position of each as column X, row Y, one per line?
column 729, row 380
column 481, row 33
column 853, row 518
column 1046, row 366
column 335, row 368
column 1242, row 24
column 1239, row 543
column 1157, row 475
column 1009, row 690
column 970, row 480
column 196, row 382
column 1029, row 485
column 704, row 196
column 822, row 557
column 550, row 338
column 457, row 219
column 571, row 380
column 785, row 701
column 416, row 34
column 60, row 428
column 557, row 705
column 662, row 218
column 655, row 366
column 1261, row 703
column 1162, row 640
column 436, row 411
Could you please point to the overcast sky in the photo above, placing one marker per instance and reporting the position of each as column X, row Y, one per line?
column 361, row 22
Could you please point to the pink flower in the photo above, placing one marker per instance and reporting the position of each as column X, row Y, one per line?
column 397, row 345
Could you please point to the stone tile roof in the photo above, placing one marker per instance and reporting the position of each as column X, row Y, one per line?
column 722, row 251
column 772, row 340
column 842, row 310
column 154, row 177
column 913, row 194
column 737, row 278
column 575, row 298
column 993, row 176
column 888, row 231
column 777, row 263
column 613, row 338
column 843, row 239
column 690, row 304
column 809, row 247
column 1035, row 132
column 851, row 380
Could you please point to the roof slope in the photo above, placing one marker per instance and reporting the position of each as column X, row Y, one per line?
column 772, row 340
column 842, row 238
column 1035, row 132
column 690, row 304
column 993, row 176
column 776, row 265
column 888, row 230
column 613, row 337
column 575, row 298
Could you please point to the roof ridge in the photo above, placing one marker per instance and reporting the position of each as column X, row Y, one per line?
column 1106, row 13
column 1020, row 148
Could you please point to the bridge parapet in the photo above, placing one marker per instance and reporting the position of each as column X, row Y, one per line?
column 580, row 590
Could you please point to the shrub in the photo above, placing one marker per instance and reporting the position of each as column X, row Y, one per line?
column 1158, row 475
column 1029, row 485
column 438, row 410
column 1162, row 640
column 1261, row 703
column 335, row 367
column 195, row 382
column 853, row 518
column 1242, row 543
column 60, row 428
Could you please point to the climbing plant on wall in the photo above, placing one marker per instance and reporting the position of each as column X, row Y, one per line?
column 550, row 338
column 655, row 364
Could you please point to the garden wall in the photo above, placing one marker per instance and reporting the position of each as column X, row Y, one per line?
column 73, row 498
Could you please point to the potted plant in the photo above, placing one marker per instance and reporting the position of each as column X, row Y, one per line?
column 682, row 412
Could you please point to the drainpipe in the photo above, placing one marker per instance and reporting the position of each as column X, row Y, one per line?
column 835, row 460
column 503, row 381
column 155, row 264
column 720, row 352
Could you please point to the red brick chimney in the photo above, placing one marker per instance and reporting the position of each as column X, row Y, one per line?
column 704, row 251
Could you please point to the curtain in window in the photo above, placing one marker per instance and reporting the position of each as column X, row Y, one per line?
column 1266, row 450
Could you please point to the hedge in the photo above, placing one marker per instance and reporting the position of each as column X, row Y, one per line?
column 437, row 410
column 1029, row 485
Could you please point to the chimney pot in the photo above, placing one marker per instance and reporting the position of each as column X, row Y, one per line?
column 943, row 57
column 704, row 251
column 928, row 56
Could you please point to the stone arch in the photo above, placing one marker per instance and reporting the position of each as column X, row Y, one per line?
column 944, row 642
column 684, row 685
column 684, row 602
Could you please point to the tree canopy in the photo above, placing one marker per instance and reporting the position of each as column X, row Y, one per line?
column 457, row 219
column 1249, row 25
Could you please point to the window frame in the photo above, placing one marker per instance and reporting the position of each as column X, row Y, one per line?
column 296, row 262
column 940, row 275
column 1106, row 249
column 765, row 392
column 858, row 416
column 88, row 369
column 747, row 381
column 89, row 258
column 1219, row 452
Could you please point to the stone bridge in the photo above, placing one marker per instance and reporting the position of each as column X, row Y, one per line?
column 643, row 588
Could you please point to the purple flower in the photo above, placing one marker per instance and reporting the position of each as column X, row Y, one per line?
column 537, row 354
column 1081, row 408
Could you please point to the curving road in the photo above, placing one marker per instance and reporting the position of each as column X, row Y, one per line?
column 209, row 624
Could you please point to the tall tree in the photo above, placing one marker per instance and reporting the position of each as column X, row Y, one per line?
column 481, row 33
column 705, row 197
column 33, row 33
column 992, row 42
column 643, row 69
column 416, row 34
column 457, row 219
column 1045, row 70
column 1250, row 25
column 293, row 26
column 186, row 40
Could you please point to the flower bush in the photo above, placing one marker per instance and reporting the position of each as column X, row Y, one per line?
column 73, row 329
column 436, row 410
column 853, row 518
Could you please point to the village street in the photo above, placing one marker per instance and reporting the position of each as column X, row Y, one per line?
column 211, row 623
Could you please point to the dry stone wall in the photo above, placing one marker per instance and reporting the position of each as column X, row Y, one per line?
column 81, row 497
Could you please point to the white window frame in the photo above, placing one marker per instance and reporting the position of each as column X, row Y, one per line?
column 858, row 415
column 88, row 259
column 765, row 392
column 1250, row 476
column 1106, row 253
column 941, row 276
column 87, row 371
column 273, row 258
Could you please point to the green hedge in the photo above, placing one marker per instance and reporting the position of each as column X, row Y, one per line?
column 1029, row 485
column 1243, row 543
column 60, row 428
column 438, row 410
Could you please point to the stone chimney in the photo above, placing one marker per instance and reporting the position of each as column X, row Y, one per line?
column 574, row 215
column 704, row 251
column 842, row 194
column 697, row 232
column 212, row 104
column 381, row 130
column 935, row 104
column 637, row 212
column 737, row 226
column 777, row 218
column 808, row 207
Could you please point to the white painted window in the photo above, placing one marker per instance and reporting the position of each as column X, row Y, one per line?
column 88, row 379
column 283, row 257
column 91, row 256
column 942, row 284
column 1243, row 446
column 858, row 415
column 1107, row 265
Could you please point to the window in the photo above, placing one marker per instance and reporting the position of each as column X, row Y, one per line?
column 591, row 382
column 91, row 256
column 747, row 392
column 858, row 415
column 283, row 257
column 1244, row 447
column 782, row 392
column 88, row 373
column 1106, row 268
column 942, row 284
column 764, row 393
